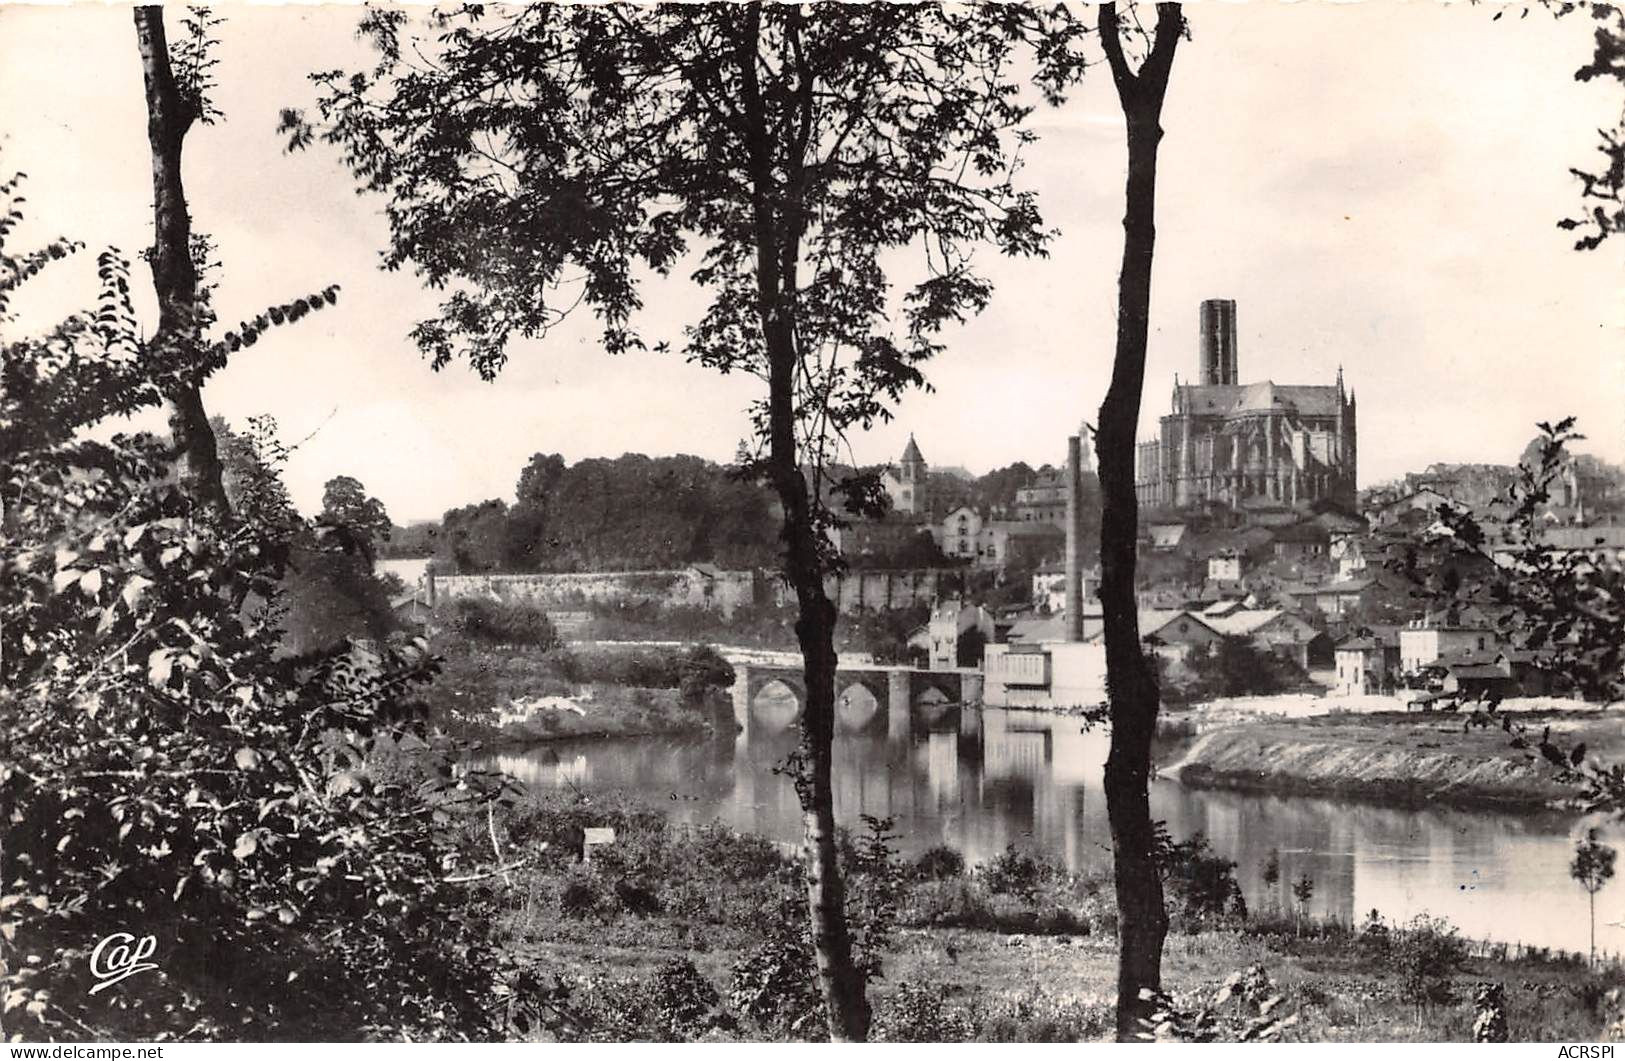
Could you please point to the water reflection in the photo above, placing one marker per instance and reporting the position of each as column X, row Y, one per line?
column 978, row 780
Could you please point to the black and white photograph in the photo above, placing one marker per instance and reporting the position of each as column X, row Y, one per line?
column 756, row 522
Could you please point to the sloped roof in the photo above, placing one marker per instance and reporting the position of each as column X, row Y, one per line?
column 1167, row 535
column 1477, row 670
column 1038, row 628
column 1025, row 528
column 1222, row 399
column 911, row 452
column 1243, row 623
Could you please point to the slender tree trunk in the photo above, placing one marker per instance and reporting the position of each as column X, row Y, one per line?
column 174, row 274
column 1130, row 682
column 778, row 229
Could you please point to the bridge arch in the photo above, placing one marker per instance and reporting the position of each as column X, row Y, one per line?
column 857, row 707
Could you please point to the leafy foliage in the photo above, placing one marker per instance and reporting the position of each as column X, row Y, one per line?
column 1564, row 605
column 1426, row 953
column 496, row 622
column 1246, row 1008
column 345, row 505
column 1602, row 193
column 1201, row 883
column 169, row 770
column 1235, row 666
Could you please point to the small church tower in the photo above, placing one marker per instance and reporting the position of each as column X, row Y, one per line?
column 909, row 492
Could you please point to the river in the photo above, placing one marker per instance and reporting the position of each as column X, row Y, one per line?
column 978, row 780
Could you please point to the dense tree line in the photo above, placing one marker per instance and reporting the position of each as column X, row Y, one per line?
column 636, row 512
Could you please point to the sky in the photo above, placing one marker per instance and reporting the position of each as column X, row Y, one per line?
column 1375, row 184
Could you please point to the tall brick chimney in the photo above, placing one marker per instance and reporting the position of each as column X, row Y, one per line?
column 1217, row 337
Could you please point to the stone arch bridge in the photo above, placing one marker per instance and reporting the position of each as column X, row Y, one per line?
column 867, row 698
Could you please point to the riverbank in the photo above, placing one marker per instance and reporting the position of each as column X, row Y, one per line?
column 516, row 695
column 697, row 932
column 1409, row 759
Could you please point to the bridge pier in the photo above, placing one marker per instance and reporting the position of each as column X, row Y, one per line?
column 898, row 702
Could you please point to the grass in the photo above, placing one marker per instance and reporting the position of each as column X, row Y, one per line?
column 989, row 953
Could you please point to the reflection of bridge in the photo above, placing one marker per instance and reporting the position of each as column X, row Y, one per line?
column 862, row 693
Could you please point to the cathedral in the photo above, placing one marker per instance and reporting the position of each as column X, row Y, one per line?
column 1239, row 445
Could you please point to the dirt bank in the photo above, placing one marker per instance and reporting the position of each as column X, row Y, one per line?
column 1389, row 758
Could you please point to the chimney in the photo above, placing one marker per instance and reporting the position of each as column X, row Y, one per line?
column 1217, row 336
column 1074, row 539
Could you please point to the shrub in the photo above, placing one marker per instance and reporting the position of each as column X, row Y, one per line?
column 919, row 1013
column 579, row 896
column 683, row 1001
column 772, row 982
column 1200, row 883
column 1427, row 953
column 702, row 670
column 502, row 623
column 939, row 863
column 1012, row 872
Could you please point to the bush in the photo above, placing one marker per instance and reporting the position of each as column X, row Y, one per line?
column 1426, row 955
column 498, row 622
column 772, row 982
column 702, row 670
column 919, row 1013
column 579, row 896
column 1200, row 883
column 695, row 671
column 1013, row 872
column 682, row 1000
column 939, row 863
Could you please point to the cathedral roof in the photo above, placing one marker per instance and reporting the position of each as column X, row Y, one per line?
column 911, row 453
column 1228, row 398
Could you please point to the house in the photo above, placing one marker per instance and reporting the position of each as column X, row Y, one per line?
column 1007, row 543
column 996, row 544
column 1044, row 500
column 411, row 607
column 1425, row 642
column 1348, row 552
column 950, row 622
column 1409, row 506
column 1224, row 567
column 961, row 533
column 1274, row 629
column 1049, row 586
column 1479, row 681
column 1173, row 634
column 1336, row 598
column 1306, row 542
column 1366, row 665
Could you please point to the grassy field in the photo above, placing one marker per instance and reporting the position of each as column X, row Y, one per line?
column 999, row 987
column 1395, row 757
column 693, row 932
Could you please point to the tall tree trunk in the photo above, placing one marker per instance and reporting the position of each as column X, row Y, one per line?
column 778, row 229
column 1131, row 685
column 174, row 274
